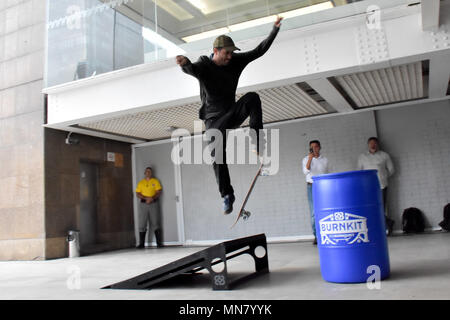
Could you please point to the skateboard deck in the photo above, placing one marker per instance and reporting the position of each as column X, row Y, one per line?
column 242, row 212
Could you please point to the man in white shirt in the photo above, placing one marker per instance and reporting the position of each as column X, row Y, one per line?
column 377, row 159
column 313, row 164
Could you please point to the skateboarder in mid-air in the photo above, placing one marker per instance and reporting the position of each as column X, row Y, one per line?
column 218, row 76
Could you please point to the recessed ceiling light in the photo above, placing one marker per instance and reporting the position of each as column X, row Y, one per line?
column 259, row 21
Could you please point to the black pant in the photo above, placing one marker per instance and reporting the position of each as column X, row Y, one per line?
column 384, row 193
column 384, row 196
column 247, row 105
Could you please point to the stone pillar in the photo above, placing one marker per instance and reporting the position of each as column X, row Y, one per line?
column 22, row 60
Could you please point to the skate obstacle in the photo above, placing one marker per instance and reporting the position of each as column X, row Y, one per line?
column 206, row 259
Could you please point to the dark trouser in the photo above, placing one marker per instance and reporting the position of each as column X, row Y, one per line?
column 384, row 195
column 389, row 222
column 247, row 105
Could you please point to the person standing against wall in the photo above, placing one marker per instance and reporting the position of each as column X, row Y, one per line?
column 379, row 160
column 148, row 192
column 313, row 164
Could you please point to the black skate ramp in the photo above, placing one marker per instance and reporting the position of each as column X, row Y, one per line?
column 205, row 259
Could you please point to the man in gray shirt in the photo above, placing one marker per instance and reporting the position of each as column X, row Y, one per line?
column 377, row 159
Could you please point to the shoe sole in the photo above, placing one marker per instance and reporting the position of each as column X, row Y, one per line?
column 230, row 210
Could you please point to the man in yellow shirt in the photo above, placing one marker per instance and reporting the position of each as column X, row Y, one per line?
column 148, row 191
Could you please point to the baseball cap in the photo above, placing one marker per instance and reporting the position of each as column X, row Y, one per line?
column 226, row 42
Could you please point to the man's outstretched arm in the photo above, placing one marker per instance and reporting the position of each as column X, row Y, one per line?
column 187, row 66
column 262, row 48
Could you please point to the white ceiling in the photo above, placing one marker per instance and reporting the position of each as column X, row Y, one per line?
column 181, row 18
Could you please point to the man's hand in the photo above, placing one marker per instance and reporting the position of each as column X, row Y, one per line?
column 278, row 22
column 308, row 163
column 148, row 200
column 181, row 60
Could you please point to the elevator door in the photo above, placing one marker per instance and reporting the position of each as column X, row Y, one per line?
column 88, row 203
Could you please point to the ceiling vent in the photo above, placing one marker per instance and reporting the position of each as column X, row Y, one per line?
column 383, row 86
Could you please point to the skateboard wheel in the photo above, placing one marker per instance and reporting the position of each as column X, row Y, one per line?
column 246, row 215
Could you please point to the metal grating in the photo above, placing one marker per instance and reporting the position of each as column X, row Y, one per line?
column 278, row 104
column 150, row 125
column 383, row 86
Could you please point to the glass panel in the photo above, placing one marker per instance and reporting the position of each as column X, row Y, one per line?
column 90, row 37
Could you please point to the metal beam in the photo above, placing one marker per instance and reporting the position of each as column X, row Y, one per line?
column 430, row 15
column 439, row 76
column 330, row 94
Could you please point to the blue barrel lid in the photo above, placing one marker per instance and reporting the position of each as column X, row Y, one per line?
column 342, row 174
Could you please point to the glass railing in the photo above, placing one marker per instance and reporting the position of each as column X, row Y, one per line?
column 90, row 37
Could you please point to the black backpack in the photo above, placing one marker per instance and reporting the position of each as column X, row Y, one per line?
column 413, row 221
column 445, row 224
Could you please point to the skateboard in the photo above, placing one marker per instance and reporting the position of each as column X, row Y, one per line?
column 242, row 212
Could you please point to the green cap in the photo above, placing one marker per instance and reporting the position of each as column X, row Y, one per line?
column 226, row 42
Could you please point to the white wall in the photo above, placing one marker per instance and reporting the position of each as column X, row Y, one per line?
column 417, row 138
column 278, row 203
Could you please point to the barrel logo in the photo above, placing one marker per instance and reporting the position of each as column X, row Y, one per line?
column 343, row 228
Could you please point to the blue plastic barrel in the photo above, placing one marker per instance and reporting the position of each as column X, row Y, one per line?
column 350, row 227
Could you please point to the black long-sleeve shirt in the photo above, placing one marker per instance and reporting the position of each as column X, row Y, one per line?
column 218, row 84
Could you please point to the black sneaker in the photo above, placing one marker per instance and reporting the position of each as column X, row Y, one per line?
column 390, row 227
column 228, row 201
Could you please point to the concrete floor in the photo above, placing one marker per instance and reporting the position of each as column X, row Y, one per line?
column 420, row 269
